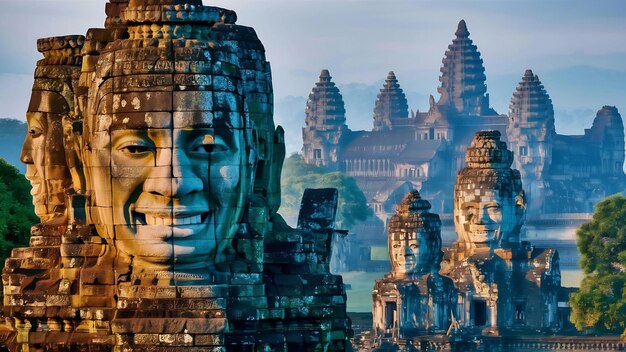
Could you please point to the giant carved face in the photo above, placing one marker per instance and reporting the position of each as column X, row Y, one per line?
column 486, row 214
column 44, row 155
column 412, row 252
column 170, row 187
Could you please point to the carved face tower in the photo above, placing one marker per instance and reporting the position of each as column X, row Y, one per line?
column 414, row 237
column 169, row 156
column 51, row 101
column 489, row 202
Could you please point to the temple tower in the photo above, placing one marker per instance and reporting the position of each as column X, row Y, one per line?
column 608, row 131
column 391, row 104
column 531, row 133
column 413, row 298
column 463, row 77
column 325, row 123
column 489, row 201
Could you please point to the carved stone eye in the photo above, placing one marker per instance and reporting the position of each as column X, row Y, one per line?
column 35, row 132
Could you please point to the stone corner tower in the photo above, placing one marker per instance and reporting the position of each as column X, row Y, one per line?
column 531, row 135
column 463, row 77
column 391, row 104
column 325, row 124
column 608, row 131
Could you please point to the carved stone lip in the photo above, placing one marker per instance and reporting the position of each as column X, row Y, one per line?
column 172, row 216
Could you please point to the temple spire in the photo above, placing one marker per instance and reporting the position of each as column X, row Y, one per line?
column 531, row 130
column 325, row 123
column 461, row 30
column 390, row 104
column 463, row 77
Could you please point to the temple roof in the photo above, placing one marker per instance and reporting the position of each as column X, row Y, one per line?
column 397, row 145
column 325, row 105
column 463, row 75
column 390, row 104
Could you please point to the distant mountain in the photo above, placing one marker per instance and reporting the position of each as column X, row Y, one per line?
column 12, row 134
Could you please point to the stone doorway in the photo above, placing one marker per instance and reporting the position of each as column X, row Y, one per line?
column 480, row 313
column 390, row 314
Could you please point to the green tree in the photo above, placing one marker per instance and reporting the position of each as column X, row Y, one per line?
column 601, row 301
column 17, row 214
column 298, row 175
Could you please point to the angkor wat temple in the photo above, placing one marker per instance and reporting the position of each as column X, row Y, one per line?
column 425, row 150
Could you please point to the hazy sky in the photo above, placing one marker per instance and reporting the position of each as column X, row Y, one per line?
column 360, row 41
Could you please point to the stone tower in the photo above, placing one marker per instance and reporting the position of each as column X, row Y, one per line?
column 391, row 104
column 503, row 283
column 463, row 77
column 413, row 298
column 325, row 123
column 531, row 134
column 489, row 202
column 608, row 131
column 174, row 96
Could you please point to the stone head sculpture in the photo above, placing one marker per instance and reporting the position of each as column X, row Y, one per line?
column 170, row 148
column 414, row 237
column 51, row 102
column 489, row 203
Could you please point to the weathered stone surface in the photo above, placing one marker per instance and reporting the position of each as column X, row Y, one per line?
column 325, row 123
column 413, row 298
column 503, row 283
column 156, row 174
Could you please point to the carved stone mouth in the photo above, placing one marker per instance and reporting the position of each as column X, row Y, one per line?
column 178, row 219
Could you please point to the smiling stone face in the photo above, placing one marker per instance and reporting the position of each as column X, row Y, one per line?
column 43, row 153
column 51, row 101
column 169, row 161
column 489, row 202
column 414, row 237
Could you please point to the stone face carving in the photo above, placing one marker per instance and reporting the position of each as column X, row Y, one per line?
column 489, row 203
column 160, row 167
column 502, row 283
column 52, row 100
column 414, row 237
column 169, row 152
column 488, row 282
column 413, row 298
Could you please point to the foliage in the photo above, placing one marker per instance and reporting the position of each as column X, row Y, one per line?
column 17, row 214
column 298, row 175
column 601, row 301
column 12, row 134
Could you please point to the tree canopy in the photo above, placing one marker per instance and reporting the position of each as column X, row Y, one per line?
column 298, row 175
column 17, row 213
column 601, row 301
column 12, row 134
